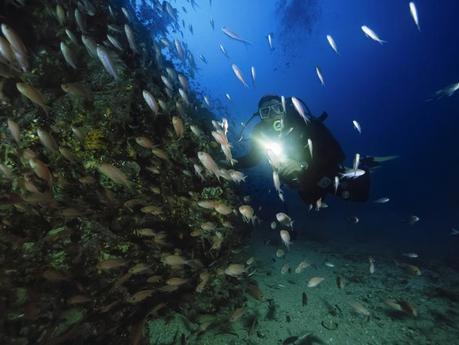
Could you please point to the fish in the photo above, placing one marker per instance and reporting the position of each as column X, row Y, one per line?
column 285, row 268
column 313, row 282
column 273, row 225
column 411, row 269
column 33, row 94
column 310, row 147
column 71, row 36
column 183, row 82
column 14, row 130
column 357, row 126
column 284, row 219
column 269, row 37
column 60, row 14
column 235, row 270
column 222, row 48
column 114, row 42
column 336, row 184
column 228, row 97
column 130, row 38
column 360, row 309
column 253, row 73
column 454, row 232
column 167, row 82
column 6, row 51
column 195, row 130
column 90, row 45
column 212, row 23
column 413, row 220
column 184, row 96
column 356, row 162
column 47, row 140
column 372, row 265
column 14, row 40
column 284, row 107
column 69, row 55
column 151, row 101
column 247, row 213
column 414, row 14
column 300, row 109
column 203, row 58
column 77, row 89
column 320, row 76
column 208, row 162
column 285, row 237
column 179, row 49
column 179, row 128
column 236, row 314
column 239, row 75
column 8, row 172
column 280, row 253
column 332, row 43
column 329, row 264
column 114, row 174
column 353, row 173
column 234, row 35
column 371, row 34
column 382, row 200
column 411, row 255
column 106, row 61
column 110, row 264
column 80, row 19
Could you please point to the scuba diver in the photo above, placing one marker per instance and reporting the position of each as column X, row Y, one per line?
column 309, row 159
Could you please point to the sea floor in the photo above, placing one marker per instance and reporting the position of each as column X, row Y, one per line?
column 326, row 315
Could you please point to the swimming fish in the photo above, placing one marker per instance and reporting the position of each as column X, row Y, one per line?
column 299, row 108
column 413, row 220
column 381, row 200
column 151, row 102
column 212, row 23
column 228, row 97
column 14, row 39
column 269, row 37
column 332, row 43
column 239, row 75
column 285, row 236
column 254, row 74
column 33, row 94
column 356, row 162
column 454, row 232
column 314, row 281
column 283, row 104
column 336, row 183
column 371, row 34
column 357, row 126
column 107, row 62
column 372, row 265
column 222, row 48
column 414, row 14
column 310, row 147
column 353, row 173
column 69, row 55
column 320, row 76
column 234, row 35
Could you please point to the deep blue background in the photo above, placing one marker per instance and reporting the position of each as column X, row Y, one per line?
column 384, row 87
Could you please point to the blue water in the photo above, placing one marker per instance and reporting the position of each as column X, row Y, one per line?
column 385, row 87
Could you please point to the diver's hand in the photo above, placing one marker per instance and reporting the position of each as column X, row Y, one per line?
column 290, row 167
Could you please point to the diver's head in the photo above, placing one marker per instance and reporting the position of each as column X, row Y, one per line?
column 271, row 111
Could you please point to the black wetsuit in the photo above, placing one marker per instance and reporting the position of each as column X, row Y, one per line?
column 326, row 161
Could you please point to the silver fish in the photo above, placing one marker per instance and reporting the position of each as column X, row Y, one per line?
column 239, row 75
column 357, row 126
column 269, row 37
column 107, row 62
column 371, row 34
column 114, row 42
column 353, row 173
column 253, row 72
column 151, row 102
column 381, row 200
column 414, row 14
column 223, row 50
column 90, row 45
column 320, row 76
column 69, row 55
column 332, row 43
column 130, row 38
column 299, row 108
column 234, row 35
